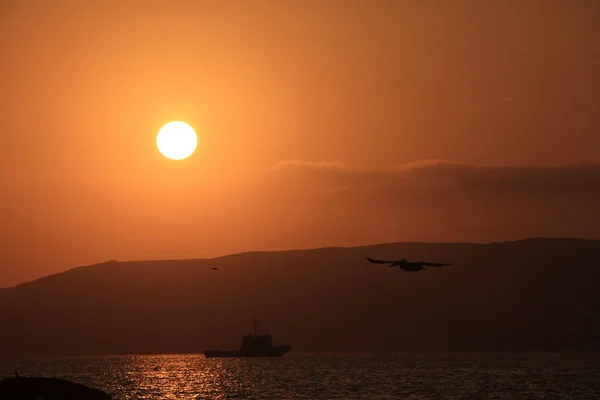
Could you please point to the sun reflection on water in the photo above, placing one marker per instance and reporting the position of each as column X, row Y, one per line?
column 193, row 376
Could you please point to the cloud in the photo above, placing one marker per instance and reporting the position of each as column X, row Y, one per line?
column 310, row 165
column 438, row 200
column 564, row 180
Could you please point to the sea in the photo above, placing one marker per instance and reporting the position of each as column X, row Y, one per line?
column 311, row 376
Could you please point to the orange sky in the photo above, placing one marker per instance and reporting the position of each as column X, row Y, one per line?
column 364, row 85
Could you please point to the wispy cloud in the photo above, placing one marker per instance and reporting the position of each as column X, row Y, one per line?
column 561, row 179
column 435, row 195
column 310, row 165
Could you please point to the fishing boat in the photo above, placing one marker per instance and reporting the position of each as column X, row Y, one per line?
column 253, row 345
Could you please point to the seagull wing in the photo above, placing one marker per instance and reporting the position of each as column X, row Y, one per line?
column 430, row 264
column 379, row 261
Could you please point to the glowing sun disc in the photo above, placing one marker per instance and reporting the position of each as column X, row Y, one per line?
column 176, row 140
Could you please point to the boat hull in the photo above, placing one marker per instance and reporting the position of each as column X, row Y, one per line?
column 273, row 352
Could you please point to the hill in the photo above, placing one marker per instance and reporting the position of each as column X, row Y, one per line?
column 533, row 294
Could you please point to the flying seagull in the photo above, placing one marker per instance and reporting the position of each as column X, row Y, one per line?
column 407, row 265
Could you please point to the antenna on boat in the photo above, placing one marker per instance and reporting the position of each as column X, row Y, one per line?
column 255, row 321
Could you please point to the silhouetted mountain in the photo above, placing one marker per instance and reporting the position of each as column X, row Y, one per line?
column 534, row 294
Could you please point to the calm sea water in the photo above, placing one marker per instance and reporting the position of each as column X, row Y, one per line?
column 406, row 376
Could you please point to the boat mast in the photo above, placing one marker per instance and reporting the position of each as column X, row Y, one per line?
column 255, row 321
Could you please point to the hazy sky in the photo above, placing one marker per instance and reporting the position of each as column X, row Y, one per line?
column 318, row 122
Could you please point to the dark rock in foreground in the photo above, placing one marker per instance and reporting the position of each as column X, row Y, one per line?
column 47, row 388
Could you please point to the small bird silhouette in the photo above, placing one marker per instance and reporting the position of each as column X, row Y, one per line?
column 407, row 265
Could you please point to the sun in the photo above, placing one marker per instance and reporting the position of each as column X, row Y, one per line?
column 176, row 140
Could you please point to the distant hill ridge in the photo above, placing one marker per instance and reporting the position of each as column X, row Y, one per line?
column 366, row 246
column 531, row 294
